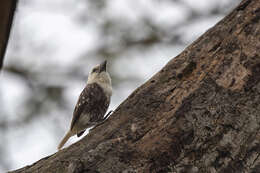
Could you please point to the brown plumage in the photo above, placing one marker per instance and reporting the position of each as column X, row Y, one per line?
column 92, row 103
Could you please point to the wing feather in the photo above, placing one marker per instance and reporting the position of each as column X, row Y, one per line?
column 92, row 102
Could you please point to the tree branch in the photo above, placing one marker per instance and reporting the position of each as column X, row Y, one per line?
column 200, row 113
column 7, row 10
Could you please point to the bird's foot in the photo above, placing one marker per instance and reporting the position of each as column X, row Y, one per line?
column 103, row 120
column 107, row 115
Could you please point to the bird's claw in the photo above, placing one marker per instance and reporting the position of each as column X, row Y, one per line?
column 103, row 120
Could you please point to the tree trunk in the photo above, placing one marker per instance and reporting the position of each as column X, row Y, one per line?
column 200, row 113
column 7, row 9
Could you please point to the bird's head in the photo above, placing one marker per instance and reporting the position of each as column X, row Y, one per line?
column 100, row 75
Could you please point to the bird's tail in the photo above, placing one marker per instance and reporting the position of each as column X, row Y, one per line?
column 65, row 139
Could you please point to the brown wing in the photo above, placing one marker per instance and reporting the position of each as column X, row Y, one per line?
column 92, row 102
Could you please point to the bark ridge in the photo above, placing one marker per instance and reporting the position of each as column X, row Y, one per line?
column 200, row 113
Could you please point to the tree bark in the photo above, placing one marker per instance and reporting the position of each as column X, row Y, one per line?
column 199, row 114
column 7, row 10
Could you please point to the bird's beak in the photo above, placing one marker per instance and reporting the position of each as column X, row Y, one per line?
column 103, row 66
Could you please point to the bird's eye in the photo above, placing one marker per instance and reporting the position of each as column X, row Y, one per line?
column 94, row 70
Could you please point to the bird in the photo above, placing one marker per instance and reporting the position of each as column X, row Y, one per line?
column 92, row 103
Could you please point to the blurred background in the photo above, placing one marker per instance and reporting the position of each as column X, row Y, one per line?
column 54, row 44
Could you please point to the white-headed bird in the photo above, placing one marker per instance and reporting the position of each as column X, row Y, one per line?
column 92, row 103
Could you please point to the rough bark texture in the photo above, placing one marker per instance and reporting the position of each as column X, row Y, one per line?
column 200, row 113
column 7, row 10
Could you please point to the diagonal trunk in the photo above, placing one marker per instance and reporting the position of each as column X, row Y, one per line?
column 200, row 113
